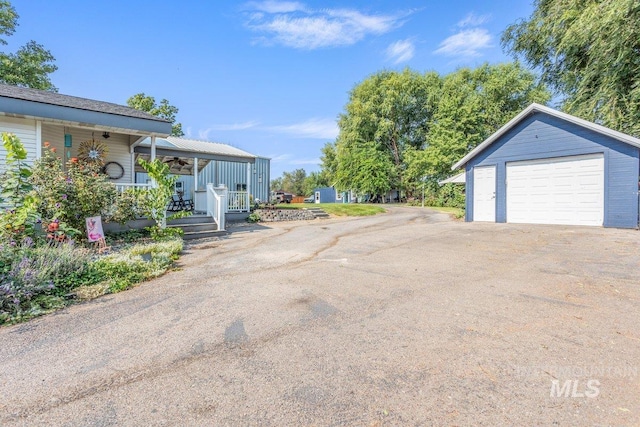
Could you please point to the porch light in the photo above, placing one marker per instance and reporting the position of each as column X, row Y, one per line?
column 106, row 135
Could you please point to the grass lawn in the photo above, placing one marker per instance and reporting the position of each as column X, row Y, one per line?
column 339, row 209
column 457, row 213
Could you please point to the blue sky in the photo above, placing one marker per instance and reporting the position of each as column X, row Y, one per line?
column 269, row 77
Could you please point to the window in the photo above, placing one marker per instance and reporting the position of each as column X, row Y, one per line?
column 241, row 187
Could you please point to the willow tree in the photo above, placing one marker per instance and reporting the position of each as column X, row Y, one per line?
column 588, row 51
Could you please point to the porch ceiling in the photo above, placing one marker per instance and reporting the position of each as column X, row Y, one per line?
column 178, row 165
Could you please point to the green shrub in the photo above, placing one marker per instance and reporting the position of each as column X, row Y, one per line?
column 138, row 263
column 70, row 197
column 39, row 275
column 253, row 217
column 154, row 201
column 159, row 234
column 19, row 220
column 448, row 195
column 127, row 206
column 34, row 279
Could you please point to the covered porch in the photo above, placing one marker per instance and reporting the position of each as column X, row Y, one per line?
column 188, row 159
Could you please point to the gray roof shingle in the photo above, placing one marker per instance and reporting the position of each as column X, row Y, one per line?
column 53, row 98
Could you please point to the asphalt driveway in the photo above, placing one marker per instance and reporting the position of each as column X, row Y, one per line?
column 406, row 318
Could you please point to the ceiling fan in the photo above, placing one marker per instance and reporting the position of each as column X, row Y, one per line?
column 176, row 161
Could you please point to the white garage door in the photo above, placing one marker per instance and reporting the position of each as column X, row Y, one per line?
column 566, row 190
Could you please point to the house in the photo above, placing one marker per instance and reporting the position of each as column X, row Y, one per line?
column 66, row 122
column 330, row 195
column 548, row 167
column 244, row 174
column 122, row 135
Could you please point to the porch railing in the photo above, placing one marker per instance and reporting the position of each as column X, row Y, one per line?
column 238, row 201
column 217, row 204
column 122, row 187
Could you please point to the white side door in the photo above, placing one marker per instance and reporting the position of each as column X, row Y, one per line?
column 484, row 193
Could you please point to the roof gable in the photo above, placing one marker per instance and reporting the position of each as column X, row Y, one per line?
column 537, row 108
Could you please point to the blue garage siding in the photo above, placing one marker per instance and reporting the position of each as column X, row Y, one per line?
column 541, row 136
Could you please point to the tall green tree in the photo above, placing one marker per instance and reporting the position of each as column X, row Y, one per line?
column 315, row 180
column 473, row 104
column 588, row 51
column 164, row 110
column 387, row 113
column 293, row 182
column 329, row 164
column 276, row 184
column 31, row 64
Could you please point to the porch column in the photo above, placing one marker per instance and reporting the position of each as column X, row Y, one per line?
column 133, row 166
column 248, row 186
column 195, row 176
column 153, row 148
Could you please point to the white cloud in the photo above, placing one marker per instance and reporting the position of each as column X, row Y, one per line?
column 465, row 43
column 294, row 25
column 270, row 6
column 312, row 128
column 473, row 20
column 277, row 158
column 205, row 133
column 401, row 51
column 234, row 126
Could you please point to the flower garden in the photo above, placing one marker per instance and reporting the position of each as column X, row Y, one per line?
column 46, row 260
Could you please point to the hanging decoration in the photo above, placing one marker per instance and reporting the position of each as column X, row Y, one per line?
column 92, row 151
column 113, row 170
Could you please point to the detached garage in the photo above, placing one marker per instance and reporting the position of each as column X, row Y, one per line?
column 548, row 167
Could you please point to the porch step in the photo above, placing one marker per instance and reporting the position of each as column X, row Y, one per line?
column 191, row 219
column 192, row 235
column 195, row 226
column 318, row 213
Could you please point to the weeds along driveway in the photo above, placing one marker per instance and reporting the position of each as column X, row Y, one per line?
column 405, row 318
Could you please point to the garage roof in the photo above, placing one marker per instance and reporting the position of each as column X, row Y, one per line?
column 537, row 108
column 460, row 178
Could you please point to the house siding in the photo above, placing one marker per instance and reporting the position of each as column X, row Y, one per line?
column 542, row 136
column 117, row 144
column 231, row 174
column 260, row 178
column 26, row 131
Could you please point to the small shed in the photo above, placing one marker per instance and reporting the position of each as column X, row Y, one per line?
column 325, row 195
column 549, row 167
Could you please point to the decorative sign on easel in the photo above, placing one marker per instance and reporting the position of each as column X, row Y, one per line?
column 95, row 233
